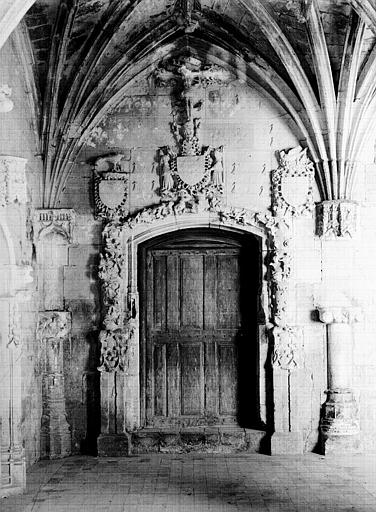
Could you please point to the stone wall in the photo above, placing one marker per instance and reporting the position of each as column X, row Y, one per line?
column 251, row 128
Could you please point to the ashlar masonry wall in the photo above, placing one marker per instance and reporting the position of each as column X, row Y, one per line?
column 251, row 129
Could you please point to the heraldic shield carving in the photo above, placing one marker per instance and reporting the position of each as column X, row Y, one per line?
column 292, row 182
column 111, row 186
column 195, row 168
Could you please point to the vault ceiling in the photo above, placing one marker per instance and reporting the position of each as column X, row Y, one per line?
column 315, row 57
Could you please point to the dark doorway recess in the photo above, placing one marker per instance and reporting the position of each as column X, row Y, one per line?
column 199, row 296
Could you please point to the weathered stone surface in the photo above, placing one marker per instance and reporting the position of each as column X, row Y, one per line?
column 286, row 443
column 113, row 445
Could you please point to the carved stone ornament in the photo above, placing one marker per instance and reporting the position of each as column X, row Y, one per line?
column 192, row 71
column 12, row 180
column 6, row 104
column 340, row 315
column 53, row 325
column 285, row 351
column 110, row 186
column 113, row 342
column 292, row 183
column 337, row 218
column 60, row 221
column 114, row 346
column 119, row 325
column 184, row 14
column 196, row 171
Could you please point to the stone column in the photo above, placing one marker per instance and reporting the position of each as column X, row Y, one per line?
column 53, row 332
column 340, row 416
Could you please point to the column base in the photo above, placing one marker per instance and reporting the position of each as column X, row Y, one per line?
column 13, row 474
column 286, row 443
column 340, row 444
column 339, row 427
column 113, row 445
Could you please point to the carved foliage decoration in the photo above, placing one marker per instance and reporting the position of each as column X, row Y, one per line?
column 112, row 337
column 110, row 186
column 292, row 183
column 60, row 221
column 337, row 218
column 118, row 330
column 12, row 180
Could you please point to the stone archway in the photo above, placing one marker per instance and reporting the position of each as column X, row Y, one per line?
column 120, row 337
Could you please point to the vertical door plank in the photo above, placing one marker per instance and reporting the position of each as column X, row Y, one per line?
column 173, row 380
column 227, row 379
column 160, row 380
column 173, row 299
column 228, row 291
column 210, row 291
column 159, row 286
column 211, row 378
column 191, row 378
column 192, row 291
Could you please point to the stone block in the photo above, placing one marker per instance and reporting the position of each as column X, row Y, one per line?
column 341, row 445
column 113, row 445
column 286, row 443
column 79, row 283
column 192, row 438
column 145, row 442
column 257, row 441
column 170, row 441
column 234, row 438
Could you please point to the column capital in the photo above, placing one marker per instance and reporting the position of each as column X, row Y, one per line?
column 337, row 218
column 340, row 314
column 58, row 220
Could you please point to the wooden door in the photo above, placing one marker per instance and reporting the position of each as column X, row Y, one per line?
column 193, row 329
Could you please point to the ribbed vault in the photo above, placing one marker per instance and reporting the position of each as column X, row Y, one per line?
column 316, row 58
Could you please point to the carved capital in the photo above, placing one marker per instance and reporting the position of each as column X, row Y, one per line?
column 59, row 221
column 340, row 315
column 337, row 218
column 292, row 183
column 12, row 180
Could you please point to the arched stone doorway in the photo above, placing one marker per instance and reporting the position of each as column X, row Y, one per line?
column 199, row 327
column 121, row 410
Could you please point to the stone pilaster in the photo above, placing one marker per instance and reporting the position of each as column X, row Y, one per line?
column 53, row 333
column 339, row 424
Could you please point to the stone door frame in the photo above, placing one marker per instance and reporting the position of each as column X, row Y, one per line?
column 119, row 337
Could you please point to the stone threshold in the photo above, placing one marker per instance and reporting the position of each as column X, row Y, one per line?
column 220, row 439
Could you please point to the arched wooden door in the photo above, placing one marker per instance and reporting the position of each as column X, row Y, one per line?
column 199, row 292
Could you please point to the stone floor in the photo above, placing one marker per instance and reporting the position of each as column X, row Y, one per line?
column 184, row 483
